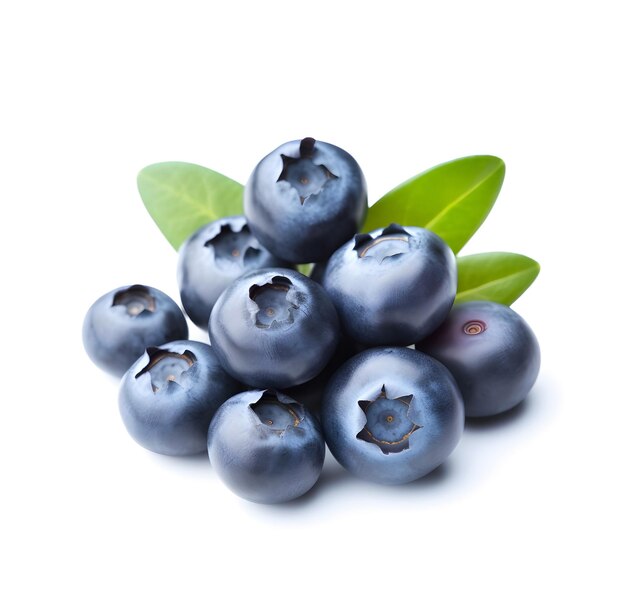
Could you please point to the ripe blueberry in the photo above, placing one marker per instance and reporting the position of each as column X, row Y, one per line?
column 168, row 397
column 266, row 447
column 491, row 352
column 274, row 328
column 121, row 324
column 392, row 414
column 392, row 286
column 305, row 199
column 212, row 258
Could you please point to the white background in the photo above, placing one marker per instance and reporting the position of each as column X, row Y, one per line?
column 526, row 514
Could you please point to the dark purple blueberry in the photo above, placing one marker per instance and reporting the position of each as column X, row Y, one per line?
column 274, row 328
column 121, row 324
column 169, row 396
column 392, row 415
column 392, row 286
column 305, row 199
column 266, row 447
column 492, row 353
column 212, row 258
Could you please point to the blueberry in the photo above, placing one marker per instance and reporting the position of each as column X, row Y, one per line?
column 392, row 286
column 492, row 353
column 392, row 414
column 121, row 324
column 305, row 199
column 168, row 397
column 266, row 447
column 212, row 258
column 274, row 328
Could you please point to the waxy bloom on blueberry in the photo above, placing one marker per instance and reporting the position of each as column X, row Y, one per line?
column 168, row 397
column 274, row 328
column 122, row 323
column 392, row 414
column 266, row 447
column 392, row 286
column 305, row 199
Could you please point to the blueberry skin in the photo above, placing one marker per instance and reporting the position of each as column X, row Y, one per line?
column 392, row 415
column 212, row 258
column 305, row 199
column 167, row 407
column 274, row 328
column 122, row 323
column 261, row 462
column 492, row 353
column 392, row 286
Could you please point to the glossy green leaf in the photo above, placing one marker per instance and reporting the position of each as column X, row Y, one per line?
column 498, row 277
column 182, row 197
column 452, row 199
column 305, row 269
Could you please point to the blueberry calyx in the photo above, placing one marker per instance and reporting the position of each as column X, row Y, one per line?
column 272, row 306
column 303, row 174
column 276, row 412
column 472, row 328
column 393, row 241
column 136, row 299
column 167, row 367
column 306, row 147
column 233, row 247
column 388, row 424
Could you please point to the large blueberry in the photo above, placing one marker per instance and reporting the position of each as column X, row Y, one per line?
column 266, row 447
column 393, row 285
column 121, row 324
column 168, row 397
column 274, row 328
column 212, row 258
column 492, row 353
column 305, row 199
column 392, row 414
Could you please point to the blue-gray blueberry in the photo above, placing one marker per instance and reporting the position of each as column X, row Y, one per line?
column 392, row 414
column 266, row 447
column 122, row 323
column 305, row 199
column 392, row 286
column 274, row 327
column 169, row 396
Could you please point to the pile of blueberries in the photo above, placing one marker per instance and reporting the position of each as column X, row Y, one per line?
column 368, row 355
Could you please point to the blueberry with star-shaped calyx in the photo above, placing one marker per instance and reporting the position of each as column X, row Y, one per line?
column 122, row 323
column 394, row 285
column 212, row 258
column 274, row 327
column 170, row 394
column 392, row 414
column 265, row 446
column 305, row 199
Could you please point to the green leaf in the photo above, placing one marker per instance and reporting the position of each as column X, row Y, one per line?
column 305, row 269
column 183, row 197
column 498, row 277
column 452, row 199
